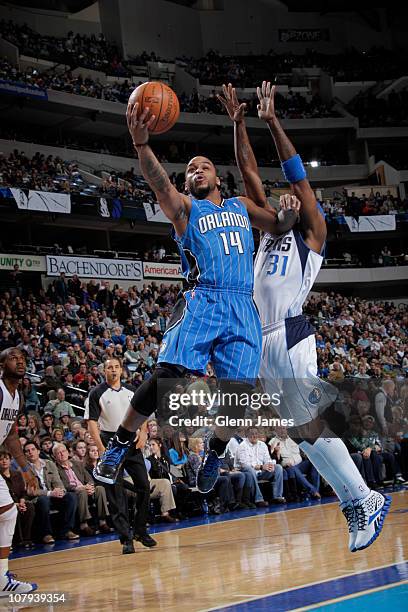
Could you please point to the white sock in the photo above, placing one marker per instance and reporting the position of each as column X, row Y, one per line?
column 3, row 566
column 331, row 458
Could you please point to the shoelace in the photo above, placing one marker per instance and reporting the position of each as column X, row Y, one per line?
column 113, row 455
column 211, row 463
column 349, row 513
column 361, row 517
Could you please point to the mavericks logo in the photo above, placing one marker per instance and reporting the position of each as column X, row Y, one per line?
column 315, row 396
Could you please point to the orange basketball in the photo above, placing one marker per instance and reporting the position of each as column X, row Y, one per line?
column 162, row 102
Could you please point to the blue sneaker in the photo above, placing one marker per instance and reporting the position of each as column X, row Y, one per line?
column 370, row 514
column 208, row 472
column 108, row 466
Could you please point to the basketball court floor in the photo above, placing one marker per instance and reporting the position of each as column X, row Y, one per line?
column 278, row 559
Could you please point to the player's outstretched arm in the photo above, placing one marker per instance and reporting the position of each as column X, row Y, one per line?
column 175, row 205
column 267, row 220
column 312, row 221
column 244, row 154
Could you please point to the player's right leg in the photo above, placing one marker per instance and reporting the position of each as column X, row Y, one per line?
column 293, row 365
column 8, row 516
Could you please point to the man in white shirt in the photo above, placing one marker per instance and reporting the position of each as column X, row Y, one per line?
column 253, row 455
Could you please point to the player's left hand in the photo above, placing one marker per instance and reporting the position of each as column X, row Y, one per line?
column 235, row 110
column 289, row 202
column 266, row 97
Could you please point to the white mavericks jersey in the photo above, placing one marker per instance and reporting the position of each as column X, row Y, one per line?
column 9, row 409
column 285, row 270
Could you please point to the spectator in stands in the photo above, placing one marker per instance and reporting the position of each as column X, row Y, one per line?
column 161, row 479
column 47, row 421
column 33, row 427
column 50, row 494
column 76, row 479
column 17, row 488
column 383, row 405
column 79, row 451
column 253, row 455
column 31, row 399
column 59, row 406
column 287, row 453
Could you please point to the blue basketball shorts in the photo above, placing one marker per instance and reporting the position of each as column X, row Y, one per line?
column 220, row 326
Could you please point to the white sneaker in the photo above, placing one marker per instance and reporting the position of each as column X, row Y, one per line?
column 9, row 584
column 370, row 513
column 347, row 509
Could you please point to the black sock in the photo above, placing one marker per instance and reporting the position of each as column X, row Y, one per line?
column 124, row 436
column 218, row 445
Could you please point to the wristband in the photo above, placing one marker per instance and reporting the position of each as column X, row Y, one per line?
column 293, row 169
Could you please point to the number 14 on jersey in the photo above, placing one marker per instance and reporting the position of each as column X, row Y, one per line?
column 234, row 241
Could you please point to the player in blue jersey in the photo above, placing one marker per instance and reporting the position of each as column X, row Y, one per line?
column 285, row 269
column 215, row 319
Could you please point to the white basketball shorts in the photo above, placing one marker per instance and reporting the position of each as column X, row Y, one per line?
column 289, row 367
column 5, row 497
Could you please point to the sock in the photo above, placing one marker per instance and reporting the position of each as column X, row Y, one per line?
column 331, row 458
column 218, row 445
column 3, row 566
column 124, row 437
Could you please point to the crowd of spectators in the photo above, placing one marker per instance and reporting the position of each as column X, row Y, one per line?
column 384, row 112
column 359, row 338
column 68, row 333
column 43, row 173
column 93, row 52
column 373, row 203
column 292, row 106
column 352, row 65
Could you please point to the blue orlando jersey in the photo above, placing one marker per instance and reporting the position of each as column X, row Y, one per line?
column 217, row 247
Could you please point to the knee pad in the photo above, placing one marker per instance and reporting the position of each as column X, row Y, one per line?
column 233, row 392
column 148, row 396
column 7, row 525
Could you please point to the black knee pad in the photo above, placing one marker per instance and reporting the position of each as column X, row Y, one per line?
column 148, row 396
column 233, row 392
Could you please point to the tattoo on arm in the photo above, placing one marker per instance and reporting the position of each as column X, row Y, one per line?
column 181, row 213
column 245, row 152
column 153, row 171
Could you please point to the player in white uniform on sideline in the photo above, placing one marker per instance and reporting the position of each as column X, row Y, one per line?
column 285, row 269
column 13, row 366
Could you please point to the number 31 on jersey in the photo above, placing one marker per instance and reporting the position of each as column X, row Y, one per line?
column 277, row 265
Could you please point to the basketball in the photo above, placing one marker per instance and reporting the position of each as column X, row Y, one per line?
column 161, row 100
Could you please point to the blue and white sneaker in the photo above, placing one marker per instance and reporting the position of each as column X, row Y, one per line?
column 347, row 509
column 9, row 584
column 108, row 467
column 209, row 469
column 370, row 514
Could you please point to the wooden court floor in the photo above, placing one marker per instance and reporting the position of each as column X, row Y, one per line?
column 215, row 565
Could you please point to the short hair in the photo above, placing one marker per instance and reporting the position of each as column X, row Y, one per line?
column 115, row 358
column 57, row 446
column 4, row 354
column 33, row 442
column 5, row 453
column 193, row 443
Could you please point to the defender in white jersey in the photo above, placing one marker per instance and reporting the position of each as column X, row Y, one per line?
column 13, row 366
column 285, row 270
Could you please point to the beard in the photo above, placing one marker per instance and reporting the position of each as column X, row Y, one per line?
column 200, row 192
